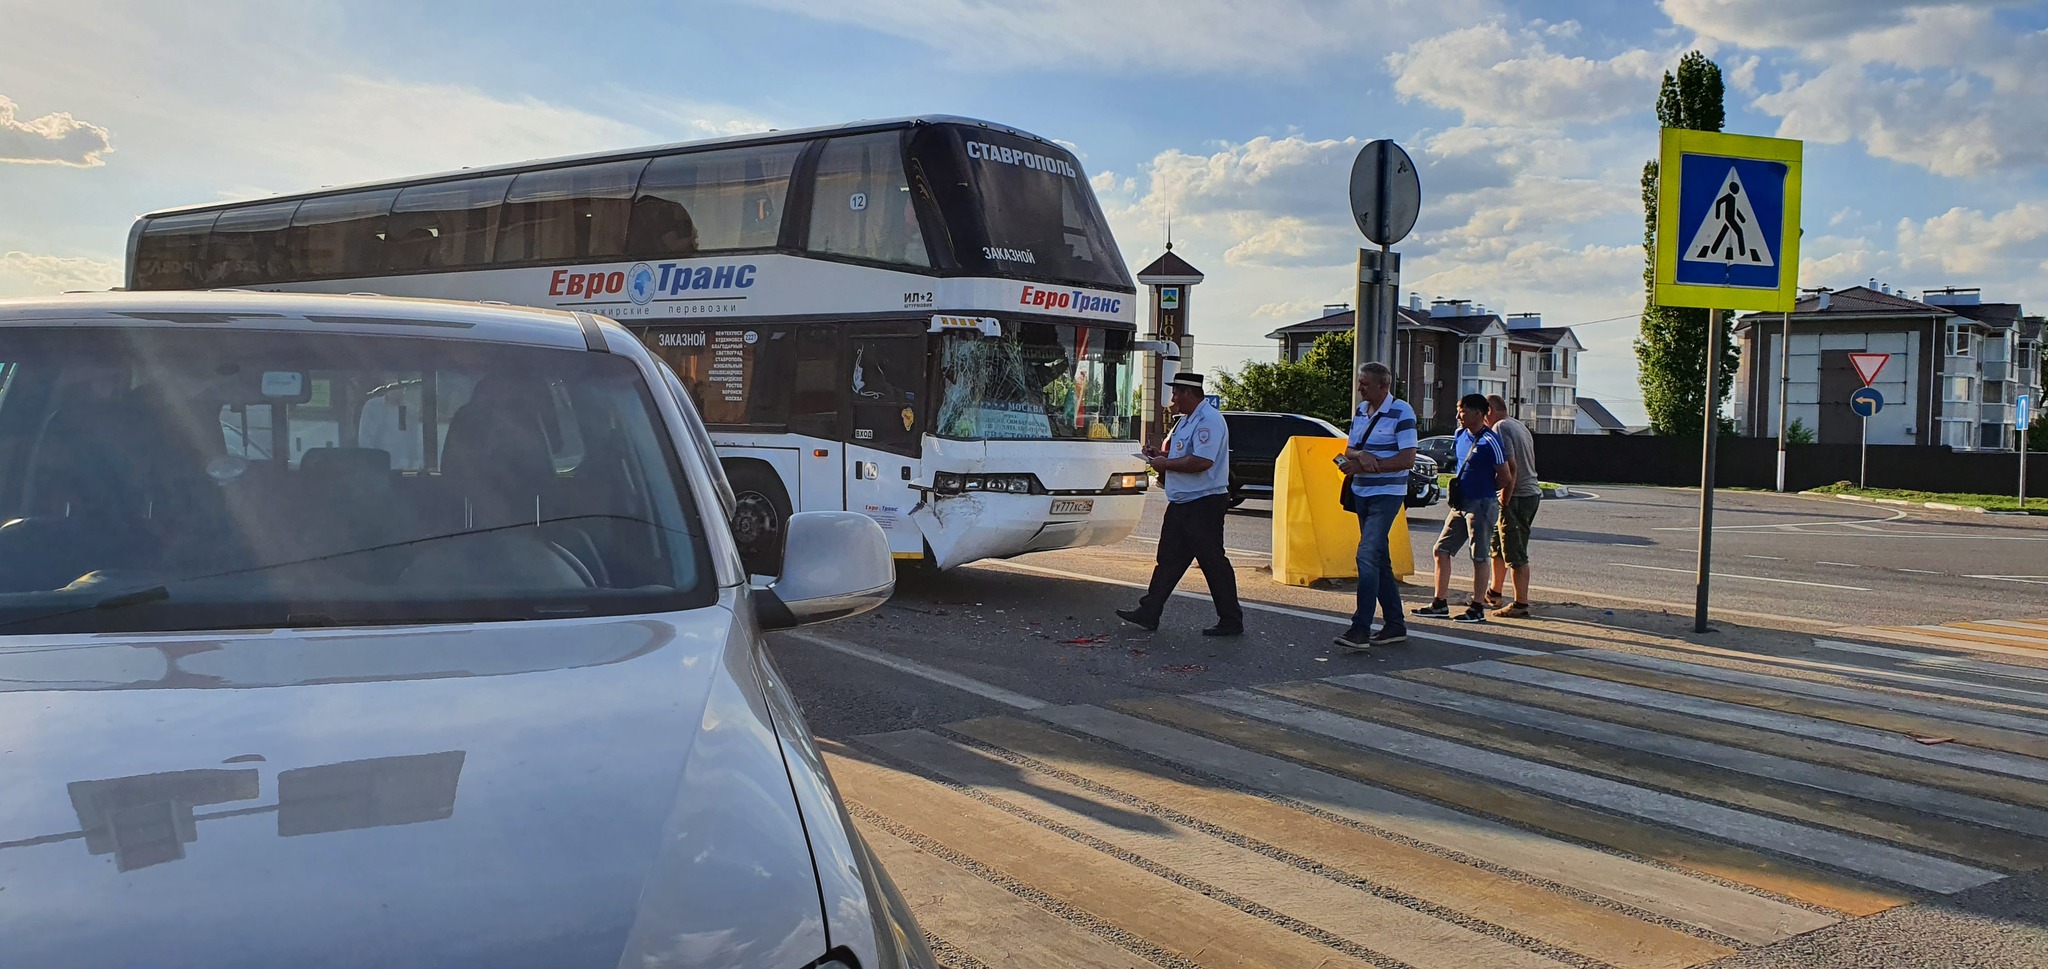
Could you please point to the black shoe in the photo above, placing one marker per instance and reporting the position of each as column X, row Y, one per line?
column 1354, row 639
column 1473, row 614
column 1435, row 610
column 1388, row 637
column 1225, row 629
column 1136, row 618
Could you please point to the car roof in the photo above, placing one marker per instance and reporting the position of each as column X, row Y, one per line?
column 362, row 313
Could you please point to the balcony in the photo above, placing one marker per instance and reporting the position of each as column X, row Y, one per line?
column 1994, row 370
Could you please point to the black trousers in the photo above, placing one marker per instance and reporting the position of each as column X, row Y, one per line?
column 1193, row 532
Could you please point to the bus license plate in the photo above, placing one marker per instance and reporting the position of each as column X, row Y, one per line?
column 1073, row 506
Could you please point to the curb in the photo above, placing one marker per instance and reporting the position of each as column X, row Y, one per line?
column 1936, row 505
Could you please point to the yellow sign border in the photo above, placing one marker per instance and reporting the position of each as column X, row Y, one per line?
column 1669, row 291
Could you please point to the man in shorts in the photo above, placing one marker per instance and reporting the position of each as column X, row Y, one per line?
column 1483, row 476
column 1517, row 511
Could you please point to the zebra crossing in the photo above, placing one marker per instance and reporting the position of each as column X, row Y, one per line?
column 1584, row 808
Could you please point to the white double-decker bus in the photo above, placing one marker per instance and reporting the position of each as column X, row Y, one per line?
column 922, row 319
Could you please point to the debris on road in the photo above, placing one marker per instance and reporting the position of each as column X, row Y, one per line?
column 1086, row 640
column 1189, row 668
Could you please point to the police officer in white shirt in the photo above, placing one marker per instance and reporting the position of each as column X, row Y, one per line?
column 1196, row 469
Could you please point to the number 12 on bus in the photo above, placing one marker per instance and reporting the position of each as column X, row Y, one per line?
column 925, row 320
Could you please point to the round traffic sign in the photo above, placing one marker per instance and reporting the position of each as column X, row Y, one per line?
column 1866, row 402
column 1386, row 193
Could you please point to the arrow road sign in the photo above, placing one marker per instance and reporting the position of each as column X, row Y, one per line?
column 1866, row 402
column 1868, row 364
column 2023, row 410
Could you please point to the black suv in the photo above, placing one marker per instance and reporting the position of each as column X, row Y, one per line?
column 1256, row 441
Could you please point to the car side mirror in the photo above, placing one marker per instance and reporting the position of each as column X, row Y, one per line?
column 835, row 564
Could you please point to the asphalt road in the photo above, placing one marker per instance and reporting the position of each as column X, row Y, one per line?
column 1598, row 786
column 1817, row 559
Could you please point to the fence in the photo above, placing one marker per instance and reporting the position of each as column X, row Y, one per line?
column 1752, row 462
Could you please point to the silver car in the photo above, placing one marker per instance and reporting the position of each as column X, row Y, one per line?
column 347, row 631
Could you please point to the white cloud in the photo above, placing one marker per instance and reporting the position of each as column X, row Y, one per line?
column 1963, row 240
column 30, row 274
column 1778, row 23
column 1491, row 75
column 1208, row 36
column 53, row 139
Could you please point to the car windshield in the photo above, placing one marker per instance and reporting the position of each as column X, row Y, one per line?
column 172, row 477
column 1038, row 381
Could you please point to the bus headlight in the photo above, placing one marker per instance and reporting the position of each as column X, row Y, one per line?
column 1015, row 484
column 948, row 483
column 953, row 483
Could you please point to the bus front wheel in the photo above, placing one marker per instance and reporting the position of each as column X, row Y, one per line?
column 760, row 514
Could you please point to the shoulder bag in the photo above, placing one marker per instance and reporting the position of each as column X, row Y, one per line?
column 1345, row 499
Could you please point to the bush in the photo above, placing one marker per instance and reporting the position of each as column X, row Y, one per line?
column 1798, row 433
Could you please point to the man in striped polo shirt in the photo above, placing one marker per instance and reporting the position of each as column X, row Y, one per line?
column 1377, row 458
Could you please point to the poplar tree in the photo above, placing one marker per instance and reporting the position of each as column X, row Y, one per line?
column 1671, row 351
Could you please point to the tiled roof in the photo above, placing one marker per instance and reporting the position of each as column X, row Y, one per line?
column 1343, row 321
column 1545, row 335
column 1170, row 265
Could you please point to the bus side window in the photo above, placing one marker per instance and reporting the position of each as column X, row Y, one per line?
column 171, row 250
column 568, row 213
column 815, row 387
column 886, row 387
column 248, row 246
column 861, row 202
column 712, row 201
column 445, row 225
column 339, row 237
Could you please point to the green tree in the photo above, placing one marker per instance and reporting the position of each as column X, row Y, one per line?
column 1319, row 384
column 1798, row 433
column 1671, row 352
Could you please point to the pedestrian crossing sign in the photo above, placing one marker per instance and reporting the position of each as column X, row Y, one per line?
column 1727, row 221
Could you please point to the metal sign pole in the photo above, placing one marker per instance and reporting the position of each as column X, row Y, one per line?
column 1863, row 458
column 2023, row 467
column 1713, row 432
column 1784, row 387
column 1359, row 332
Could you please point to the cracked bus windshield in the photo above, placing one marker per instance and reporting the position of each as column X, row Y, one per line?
column 175, row 478
column 1039, row 381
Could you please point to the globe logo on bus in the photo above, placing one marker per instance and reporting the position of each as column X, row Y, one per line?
column 640, row 283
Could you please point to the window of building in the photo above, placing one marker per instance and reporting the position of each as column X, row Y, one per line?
column 568, row 214
column 445, row 225
column 1955, row 434
column 712, row 201
column 861, row 202
column 1961, row 340
column 341, row 236
column 1958, row 389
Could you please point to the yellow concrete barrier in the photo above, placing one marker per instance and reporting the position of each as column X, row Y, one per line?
column 1313, row 538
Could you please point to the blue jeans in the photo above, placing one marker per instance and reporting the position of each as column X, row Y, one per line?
column 1376, row 582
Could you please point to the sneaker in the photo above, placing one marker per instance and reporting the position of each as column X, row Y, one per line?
column 1494, row 599
column 1389, row 637
column 1474, row 613
column 1435, row 610
column 1149, row 623
column 1354, row 639
column 1225, row 629
column 1513, row 610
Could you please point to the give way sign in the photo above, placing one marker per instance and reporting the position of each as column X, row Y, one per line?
column 1868, row 364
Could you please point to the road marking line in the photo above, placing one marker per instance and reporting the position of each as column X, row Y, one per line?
column 1248, row 552
column 1923, row 571
column 1752, row 578
column 1178, row 919
column 967, row 683
column 1769, row 558
column 1331, row 618
column 1726, row 911
column 983, row 918
column 1902, row 715
column 1447, row 689
column 1952, row 754
column 1821, row 845
column 2017, row 637
column 1361, row 918
column 1911, row 637
column 1841, row 565
column 1943, row 659
column 1781, row 525
column 1921, row 681
column 1542, row 914
column 1873, row 763
column 1880, row 822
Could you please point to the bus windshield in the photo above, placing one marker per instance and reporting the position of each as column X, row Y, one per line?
column 1038, row 381
column 1033, row 213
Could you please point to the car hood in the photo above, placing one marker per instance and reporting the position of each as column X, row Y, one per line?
column 573, row 793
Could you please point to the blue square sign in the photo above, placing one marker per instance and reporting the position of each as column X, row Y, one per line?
column 1731, row 216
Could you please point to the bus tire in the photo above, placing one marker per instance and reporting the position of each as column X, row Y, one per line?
column 760, row 516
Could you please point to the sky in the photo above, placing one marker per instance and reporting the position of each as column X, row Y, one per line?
column 1926, row 144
